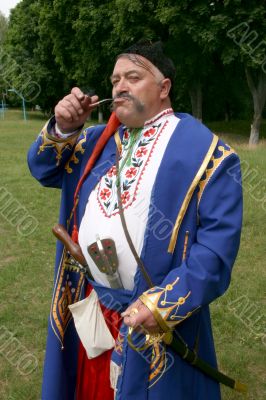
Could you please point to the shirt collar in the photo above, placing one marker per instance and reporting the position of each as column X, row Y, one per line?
column 163, row 114
column 156, row 118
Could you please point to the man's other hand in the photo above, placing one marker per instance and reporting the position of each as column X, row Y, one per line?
column 137, row 315
column 73, row 110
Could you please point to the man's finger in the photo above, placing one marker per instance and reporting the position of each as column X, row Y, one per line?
column 94, row 99
column 70, row 99
column 135, row 319
column 87, row 102
column 132, row 309
column 78, row 93
column 131, row 321
column 74, row 113
column 65, row 109
column 63, row 113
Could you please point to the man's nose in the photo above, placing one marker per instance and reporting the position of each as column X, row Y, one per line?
column 121, row 86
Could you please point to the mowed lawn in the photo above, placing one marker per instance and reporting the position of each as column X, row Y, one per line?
column 26, row 267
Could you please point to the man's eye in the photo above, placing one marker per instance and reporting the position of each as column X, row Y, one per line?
column 115, row 82
column 133, row 78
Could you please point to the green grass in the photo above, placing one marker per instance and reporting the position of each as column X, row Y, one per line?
column 239, row 316
column 240, row 129
column 26, row 268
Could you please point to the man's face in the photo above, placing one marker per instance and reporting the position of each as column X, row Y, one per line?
column 137, row 91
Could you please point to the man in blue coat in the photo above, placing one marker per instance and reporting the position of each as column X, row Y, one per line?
column 169, row 177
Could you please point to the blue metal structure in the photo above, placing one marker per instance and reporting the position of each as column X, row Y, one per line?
column 23, row 102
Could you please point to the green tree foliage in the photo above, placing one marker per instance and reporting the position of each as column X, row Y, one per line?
column 239, row 29
column 217, row 46
column 189, row 44
column 30, row 67
column 246, row 41
column 81, row 45
column 228, row 32
column 3, row 30
column 93, row 33
column 3, row 27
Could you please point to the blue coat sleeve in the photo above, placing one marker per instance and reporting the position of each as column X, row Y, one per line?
column 205, row 273
column 50, row 157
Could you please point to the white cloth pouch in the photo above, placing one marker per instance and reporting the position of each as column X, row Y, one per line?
column 91, row 326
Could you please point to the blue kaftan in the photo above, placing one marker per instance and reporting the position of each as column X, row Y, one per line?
column 185, row 285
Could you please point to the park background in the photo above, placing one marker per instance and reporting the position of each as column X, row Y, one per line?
column 47, row 47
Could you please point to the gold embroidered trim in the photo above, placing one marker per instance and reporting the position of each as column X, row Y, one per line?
column 185, row 246
column 69, row 139
column 119, row 343
column 155, row 356
column 62, row 301
column 210, row 171
column 163, row 310
column 152, row 307
column 118, row 142
column 78, row 149
column 59, row 145
column 189, row 194
column 158, row 364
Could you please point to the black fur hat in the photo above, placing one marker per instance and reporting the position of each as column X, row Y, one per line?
column 155, row 54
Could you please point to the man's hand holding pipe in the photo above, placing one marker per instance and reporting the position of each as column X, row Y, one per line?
column 73, row 110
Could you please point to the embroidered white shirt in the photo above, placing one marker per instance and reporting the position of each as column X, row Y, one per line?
column 141, row 155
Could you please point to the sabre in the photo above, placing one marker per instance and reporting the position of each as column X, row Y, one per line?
column 73, row 249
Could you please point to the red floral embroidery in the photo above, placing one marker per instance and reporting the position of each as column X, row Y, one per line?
column 150, row 132
column 105, row 193
column 131, row 172
column 111, row 172
column 125, row 197
column 141, row 152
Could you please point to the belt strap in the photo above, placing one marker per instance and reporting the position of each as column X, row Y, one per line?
column 124, row 225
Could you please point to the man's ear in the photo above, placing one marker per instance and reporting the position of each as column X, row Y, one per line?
column 165, row 88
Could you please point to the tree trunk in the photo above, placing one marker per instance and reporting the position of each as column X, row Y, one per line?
column 227, row 112
column 100, row 116
column 255, row 130
column 195, row 94
column 259, row 98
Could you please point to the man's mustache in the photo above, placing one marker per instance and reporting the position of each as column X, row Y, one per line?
column 124, row 96
column 139, row 105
